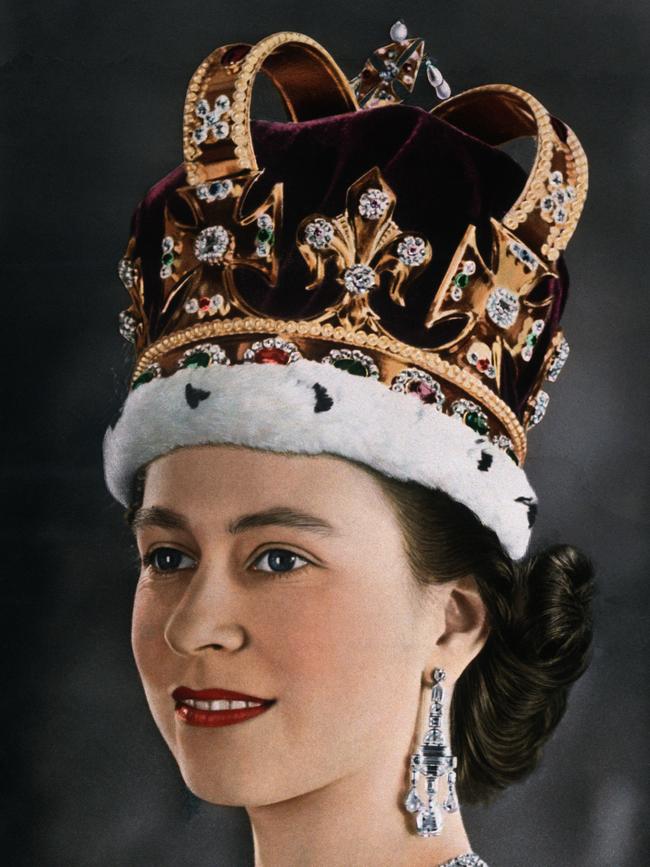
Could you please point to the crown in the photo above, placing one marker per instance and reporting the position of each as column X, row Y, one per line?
column 489, row 335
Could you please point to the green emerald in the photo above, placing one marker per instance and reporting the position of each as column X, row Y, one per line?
column 265, row 236
column 147, row 376
column 461, row 280
column 476, row 422
column 168, row 258
column 531, row 340
column 197, row 359
column 351, row 365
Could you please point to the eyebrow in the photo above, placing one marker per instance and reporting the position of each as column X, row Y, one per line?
column 275, row 516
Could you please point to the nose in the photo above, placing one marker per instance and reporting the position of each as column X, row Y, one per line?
column 207, row 616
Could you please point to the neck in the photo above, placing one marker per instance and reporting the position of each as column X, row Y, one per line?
column 357, row 819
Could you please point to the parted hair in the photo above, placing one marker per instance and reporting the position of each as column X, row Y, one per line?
column 511, row 696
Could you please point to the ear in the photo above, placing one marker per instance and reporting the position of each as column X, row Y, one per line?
column 465, row 627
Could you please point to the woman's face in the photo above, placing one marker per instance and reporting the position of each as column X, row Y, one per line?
column 318, row 613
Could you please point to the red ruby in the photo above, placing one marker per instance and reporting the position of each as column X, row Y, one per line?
column 482, row 364
column 204, row 302
column 271, row 356
column 366, row 74
column 235, row 54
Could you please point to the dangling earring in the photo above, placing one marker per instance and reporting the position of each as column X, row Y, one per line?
column 433, row 760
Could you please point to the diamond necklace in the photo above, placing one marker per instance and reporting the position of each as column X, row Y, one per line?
column 469, row 859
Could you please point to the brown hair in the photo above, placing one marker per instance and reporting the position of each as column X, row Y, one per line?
column 512, row 695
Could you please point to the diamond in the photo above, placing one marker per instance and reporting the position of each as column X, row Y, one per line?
column 412, row 250
column 502, row 307
column 211, row 244
column 559, row 358
column 524, row 255
column 412, row 802
column 556, row 178
column 359, row 279
column 128, row 326
column 539, row 408
column 215, row 190
column 319, row 233
column 373, row 204
column 191, row 305
column 127, row 271
column 469, row 267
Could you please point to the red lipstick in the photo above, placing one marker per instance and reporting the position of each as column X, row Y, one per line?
column 212, row 707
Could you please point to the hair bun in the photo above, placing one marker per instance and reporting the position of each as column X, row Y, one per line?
column 551, row 624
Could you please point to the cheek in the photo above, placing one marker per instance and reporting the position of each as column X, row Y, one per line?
column 147, row 633
column 344, row 655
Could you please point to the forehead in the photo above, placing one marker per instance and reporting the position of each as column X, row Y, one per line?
column 238, row 477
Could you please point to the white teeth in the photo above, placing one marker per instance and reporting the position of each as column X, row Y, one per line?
column 221, row 704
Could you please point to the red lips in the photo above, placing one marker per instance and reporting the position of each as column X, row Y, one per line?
column 184, row 692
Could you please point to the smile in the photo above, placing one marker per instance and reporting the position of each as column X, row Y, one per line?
column 217, row 707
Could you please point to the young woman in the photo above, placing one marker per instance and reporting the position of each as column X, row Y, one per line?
column 337, row 361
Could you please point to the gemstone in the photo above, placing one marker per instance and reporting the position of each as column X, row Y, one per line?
column 197, row 359
column 482, row 364
column 461, row 280
column 191, row 305
column 559, row 358
column 264, row 221
column 167, row 244
column 222, row 103
column 412, row 250
column 200, row 134
column 204, row 302
column 127, row 326
column 502, row 307
column 202, row 108
column 570, row 192
column 457, row 293
column 443, row 91
column 168, row 258
column 235, row 54
column 531, row 339
column 412, row 802
column 221, row 129
column 359, row 279
column 429, row 824
column 398, row 31
column 352, row 365
column 556, row 178
column 538, row 326
column 424, row 392
column 147, row 375
column 264, row 236
column 524, row 255
column 539, row 408
column 373, row 204
column 559, row 196
column 469, row 267
column 211, row 244
column 434, row 75
column 127, row 272
column 271, row 355
column 215, row 190
column 477, row 421
column 560, row 215
column 319, row 233
column 547, row 203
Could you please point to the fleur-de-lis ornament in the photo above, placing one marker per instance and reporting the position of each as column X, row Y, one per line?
column 364, row 242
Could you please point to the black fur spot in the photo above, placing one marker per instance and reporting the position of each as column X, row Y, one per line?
column 194, row 396
column 532, row 508
column 323, row 400
column 485, row 461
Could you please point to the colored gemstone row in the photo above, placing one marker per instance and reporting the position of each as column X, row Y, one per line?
column 276, row 350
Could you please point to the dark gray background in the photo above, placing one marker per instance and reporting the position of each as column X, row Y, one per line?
column 92, row 102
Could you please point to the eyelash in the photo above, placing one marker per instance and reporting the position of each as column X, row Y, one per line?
column 148, row 560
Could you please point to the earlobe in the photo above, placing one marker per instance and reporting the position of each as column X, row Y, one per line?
column 466, row 627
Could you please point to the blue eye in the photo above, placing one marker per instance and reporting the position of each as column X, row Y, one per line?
column 166, row 560
column 280, row 560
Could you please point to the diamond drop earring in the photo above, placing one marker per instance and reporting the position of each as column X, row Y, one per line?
column 433, row 760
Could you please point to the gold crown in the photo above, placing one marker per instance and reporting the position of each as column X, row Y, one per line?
column 486, row 315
